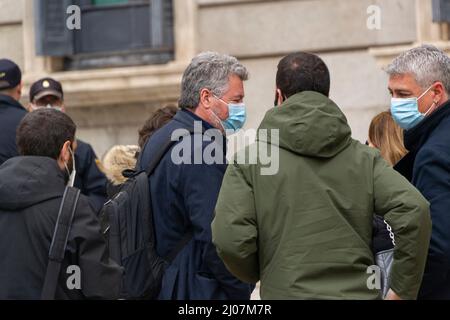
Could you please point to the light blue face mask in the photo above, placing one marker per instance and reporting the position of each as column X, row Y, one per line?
column 237, row 116
column 405, row 111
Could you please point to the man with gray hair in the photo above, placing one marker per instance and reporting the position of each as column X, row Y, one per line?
column 419, row 82
column 184, row 194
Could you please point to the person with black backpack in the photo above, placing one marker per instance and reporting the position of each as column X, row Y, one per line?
column 183, row 194
column 50, row 238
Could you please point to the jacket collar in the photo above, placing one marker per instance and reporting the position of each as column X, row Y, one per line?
column 187, row 118
column 416, row 137
column 4, row 99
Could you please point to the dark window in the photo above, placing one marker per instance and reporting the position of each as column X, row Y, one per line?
column 113, row 32
column 441, row 11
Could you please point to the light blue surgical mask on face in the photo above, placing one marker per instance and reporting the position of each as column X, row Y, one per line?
column 405, row 111
column 237, row 116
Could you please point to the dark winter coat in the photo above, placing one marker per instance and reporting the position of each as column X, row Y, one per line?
column 31, row 190
column 427, row 166
column 183, row 199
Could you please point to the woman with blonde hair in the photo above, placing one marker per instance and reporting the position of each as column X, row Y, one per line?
column 118, row 159
column 387, row 136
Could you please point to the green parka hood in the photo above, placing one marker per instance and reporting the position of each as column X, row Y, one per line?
column 310, row 124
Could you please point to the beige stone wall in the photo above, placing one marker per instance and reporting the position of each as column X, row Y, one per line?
column 253, row 28
column 358, row 86
column 261, row 32
column 11, row 32
column 109, row 105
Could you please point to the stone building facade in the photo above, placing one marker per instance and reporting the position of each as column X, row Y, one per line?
column 110, row 103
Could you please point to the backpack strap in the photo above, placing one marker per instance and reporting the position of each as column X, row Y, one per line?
column 59, row 241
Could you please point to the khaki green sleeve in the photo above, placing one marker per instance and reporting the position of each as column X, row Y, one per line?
column 234, row 227
column 407, row 211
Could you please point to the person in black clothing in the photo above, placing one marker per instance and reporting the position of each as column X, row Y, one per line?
column 31, row 191
column 11, row 111
column 48, row 93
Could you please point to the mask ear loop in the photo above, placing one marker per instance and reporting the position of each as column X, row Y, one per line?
column 67, row 169
column 433, row 107
column 71, row 181
column 217, row 117
column 73, row 157
column 420, row 97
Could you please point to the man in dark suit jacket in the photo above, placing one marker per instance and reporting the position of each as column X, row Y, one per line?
column 419, row 83
column 11, row 111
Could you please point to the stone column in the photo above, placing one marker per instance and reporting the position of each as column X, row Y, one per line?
column 185, row 26
column 33, row 65
column 427, row 31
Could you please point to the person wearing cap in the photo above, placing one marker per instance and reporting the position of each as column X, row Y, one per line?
column 48, row 93
column 11, row 111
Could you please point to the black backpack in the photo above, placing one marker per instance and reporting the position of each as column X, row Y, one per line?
column 129, row 229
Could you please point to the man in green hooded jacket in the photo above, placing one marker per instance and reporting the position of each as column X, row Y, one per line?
column 305, row 232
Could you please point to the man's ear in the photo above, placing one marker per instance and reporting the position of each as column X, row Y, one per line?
column 206, row 98
column 439, row 92
column 280, row 97
column 19, row 90
column 65, row 155
column 63, row 107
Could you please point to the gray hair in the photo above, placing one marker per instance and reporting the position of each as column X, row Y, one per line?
column 209, row 70
column 426, row 63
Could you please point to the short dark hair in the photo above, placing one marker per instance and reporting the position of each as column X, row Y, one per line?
column 301, row 71
column 158, row 119
column 43, row 133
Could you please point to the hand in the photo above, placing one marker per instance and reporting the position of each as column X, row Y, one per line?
column 391, row 295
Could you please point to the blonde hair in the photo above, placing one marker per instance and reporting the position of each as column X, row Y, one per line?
column 117, row 159
column 387, row 136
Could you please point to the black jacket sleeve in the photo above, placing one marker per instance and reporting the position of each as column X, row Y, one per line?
column 432, row 177
column 100, row 276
